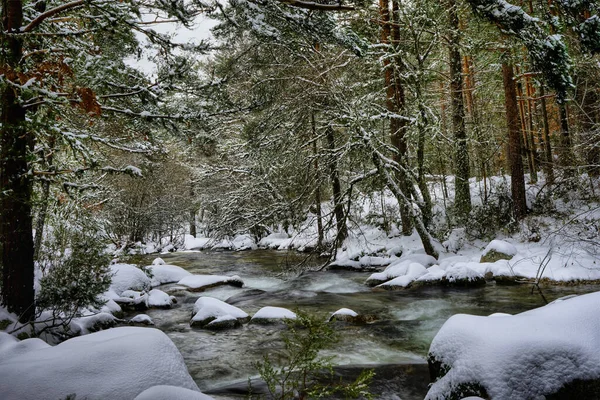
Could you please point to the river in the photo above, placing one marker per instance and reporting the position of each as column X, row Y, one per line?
column 395, row 345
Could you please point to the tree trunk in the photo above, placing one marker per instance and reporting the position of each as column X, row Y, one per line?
column 15, row 182
column 514, row 142
column 547, row 149
column 589, row 125
column 403, row 200
column 338, row 207
column 193, row 229
column 462, row 200
column 395, row 104
column 320, row 232
column 567, row 158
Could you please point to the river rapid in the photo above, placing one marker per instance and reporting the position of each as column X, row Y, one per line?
column 394, row 345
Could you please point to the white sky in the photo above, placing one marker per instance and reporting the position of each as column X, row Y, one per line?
column 200, row 31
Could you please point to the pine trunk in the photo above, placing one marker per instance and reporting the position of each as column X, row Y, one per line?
column 15, row 182
column 338, row 207
column 514, row 142
column 395, row 104
column 461, row 184
column 547, row 146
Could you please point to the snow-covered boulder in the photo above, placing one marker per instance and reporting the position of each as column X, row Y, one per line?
column 194, row 243
column 165, row 273
column 165, row 392
column 432, row 276
column 158, row 261
column 159, row 299
column 350, row 316
column 243, row 242
column 94, row 322
column 460, row 274
column 400, row 268
column 413, row 271
column 498, row 250
column 267, row 315
column 141, row 319
column 115, row 364
column 198, row 283
column 273, row 241
column 128, row 277
column 545, row 351
column 209, row 309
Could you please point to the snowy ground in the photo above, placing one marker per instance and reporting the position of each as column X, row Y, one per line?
column 559, row 241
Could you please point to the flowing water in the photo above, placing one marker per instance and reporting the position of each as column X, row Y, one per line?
column 395, row 345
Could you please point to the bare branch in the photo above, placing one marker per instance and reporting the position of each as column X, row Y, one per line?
column 43, row 16
column 311, row 5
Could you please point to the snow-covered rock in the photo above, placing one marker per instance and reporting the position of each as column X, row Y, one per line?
column 165, row 392
column 498, row 250
column 208, row 309
column 272, row 314
column 274, row 240
column 413, row 271
column 523, row 356
column 202, row 282
column 94, row 322
column 400, row 268
column 460, row 274
column 114, row 364
column 128, row 277
column 165, row 273
column 141, row 319
column 159, row 299
column 351, row 316
column 243, row 242
column 193, row 243
column 158, row 261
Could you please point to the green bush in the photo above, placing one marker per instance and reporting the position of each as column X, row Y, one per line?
column 303, row 373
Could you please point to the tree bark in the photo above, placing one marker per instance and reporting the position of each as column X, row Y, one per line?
column 589, row 124
column 403, row 200
column 547, row 150
column 320, row 231
column 338, row 207
column 395, row 104
column 462, row 200
column 514, row 142
column 15, row 182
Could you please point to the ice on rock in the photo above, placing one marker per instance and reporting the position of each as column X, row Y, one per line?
column 116, row 364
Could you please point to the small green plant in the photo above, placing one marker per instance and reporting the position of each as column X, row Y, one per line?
column 301, row 373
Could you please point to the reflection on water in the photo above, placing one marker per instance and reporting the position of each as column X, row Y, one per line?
column 406, row 321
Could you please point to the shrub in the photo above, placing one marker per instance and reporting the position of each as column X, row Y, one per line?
column 303, row 372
